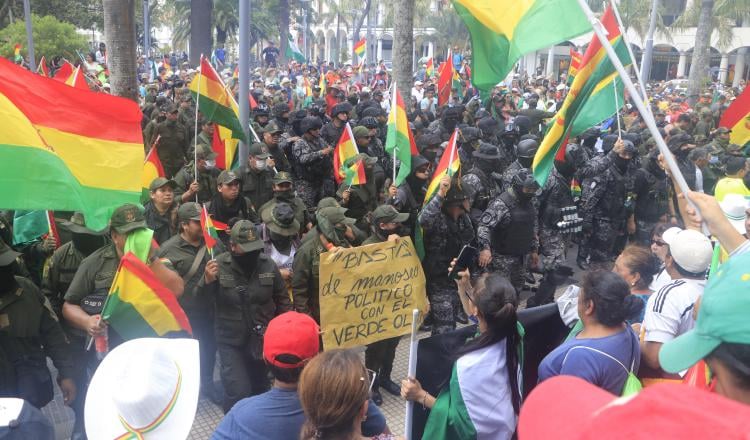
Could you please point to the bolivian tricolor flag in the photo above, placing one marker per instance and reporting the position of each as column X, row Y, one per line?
column 225, row 148
column 449, row 165
column 77, row 79
column 152, row 169
column 399, row 139
column 355, row 174
column 210, row 235
column 575, row 64
column 504, row 30
column 138, row 304
column 43, row 69
column 216, row 103
column 64, row 72
column 345, row 149
column 68, row 150
column 17, row 53
column 737, row 119
column 591, row 98
column 359, row 47
column 429, row 69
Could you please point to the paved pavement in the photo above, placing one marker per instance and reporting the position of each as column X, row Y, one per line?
column 209, row 415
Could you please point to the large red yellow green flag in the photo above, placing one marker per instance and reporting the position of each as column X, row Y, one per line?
column 138, row 304
column 504, row 30
column 594, row 96
column 67, row 149
column 737, row 119
column 399, row 141
column 214, row 101
column 345, row 149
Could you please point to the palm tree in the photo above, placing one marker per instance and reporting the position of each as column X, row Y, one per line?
column 701, row 51
column 403, row 44
column 119, row 34
column 200, row 29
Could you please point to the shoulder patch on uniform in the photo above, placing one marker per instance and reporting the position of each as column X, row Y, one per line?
column 266, row 275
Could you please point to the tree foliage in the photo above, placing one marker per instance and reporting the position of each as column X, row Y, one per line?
column 51, row 38
column 84, row 14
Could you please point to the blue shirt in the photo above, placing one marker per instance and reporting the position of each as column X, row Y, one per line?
column 277, row 415
column 591, row 359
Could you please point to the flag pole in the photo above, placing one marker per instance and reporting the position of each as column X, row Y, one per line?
column 411, row 372
column 453, row 151
column 647, row 116
column 394, row 108
column 617, row 108
column 195, row 135
column 638, row 76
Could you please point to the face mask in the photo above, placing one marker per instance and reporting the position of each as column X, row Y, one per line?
column 565, row 169
column 283, row 119
column 450, row 124
column 621, row 163
column 260, row 164
column 247, row 261
column 6, row 278
column 280, row 241
column 284, row 195
column 522, row 196
column 429, row 155
column 87, row 243
column 210, row 164
column 525, row 161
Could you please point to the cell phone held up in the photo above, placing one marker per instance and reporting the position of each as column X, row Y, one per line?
column 465, row 259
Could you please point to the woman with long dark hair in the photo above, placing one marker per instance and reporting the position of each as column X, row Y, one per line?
column 483, row 396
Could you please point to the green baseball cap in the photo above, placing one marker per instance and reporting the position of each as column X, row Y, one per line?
column 722, row 317
column 203, row 151
column 245, row 236
column 282, row 177
column 389, row 214
column 161, row 181
column 360, row 132
column 272, row 127
column 259, row 151
column 336, row 215
column 7, row 254
column 226, row 177
column 127, row 218
column 189, row 211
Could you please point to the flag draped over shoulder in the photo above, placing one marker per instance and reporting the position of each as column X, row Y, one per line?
column 591, row 99
column 737, row 119
column 69, row 150
column 345, row 149
column 152, row 169
column 216, row 103
column 139, row 306
column 399, row 141
column 504, row 30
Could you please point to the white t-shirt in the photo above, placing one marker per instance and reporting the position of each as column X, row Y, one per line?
column 417, row 94
column 660, row 280
column 669, row 312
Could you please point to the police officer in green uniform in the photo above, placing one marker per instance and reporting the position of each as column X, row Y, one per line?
column 159, row 115
column 271, row 137
column 386, row 224
column 161, row 211
column 188, row 255
column 88, row 290
column 60, row 271
column 333, row 230
column 248, row 291
column 359, row 199
column 257, row 175
column 187, row 186
column 174, row 142
column 283, row 191
column 29, row 332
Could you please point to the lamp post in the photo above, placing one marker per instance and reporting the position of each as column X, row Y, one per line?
column 649, row 49
column 244, row 74
column 29, row 34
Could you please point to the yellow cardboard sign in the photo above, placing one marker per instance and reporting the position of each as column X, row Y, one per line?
column 367, row 293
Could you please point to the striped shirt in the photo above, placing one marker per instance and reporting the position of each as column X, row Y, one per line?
column 669, row 312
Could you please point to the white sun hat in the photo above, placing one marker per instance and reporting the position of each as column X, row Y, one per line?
column 734, row 207
column 145, row 388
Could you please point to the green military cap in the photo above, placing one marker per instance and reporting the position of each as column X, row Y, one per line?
column 205, row 152
column 700, row 139
column 160, row 182
column 389, row 214
column 368, row 160
column 360, row 131
column 245, row 236
column 336, row 215
column 170, row 108
column 77, row 225
column 186, row 98
column 152, row 87
column 127, row 218
column 281, row 220
column 226, row 177
column 189, row 211
column 328, row 202
column 282, row 177
column 272, row 127
column 259, row 150
column 7, row 255
column 723, row 130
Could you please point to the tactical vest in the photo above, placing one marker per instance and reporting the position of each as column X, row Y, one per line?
column 516, row 237
column 613, row 201
column 656, row 202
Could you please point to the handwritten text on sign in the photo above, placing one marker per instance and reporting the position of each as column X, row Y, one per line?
column 367, row 293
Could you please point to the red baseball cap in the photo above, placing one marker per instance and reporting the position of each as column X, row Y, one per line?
column 567, row 408
column 291, row 333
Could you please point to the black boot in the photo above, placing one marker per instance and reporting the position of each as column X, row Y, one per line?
column 375, row 395
column 545, row 293
column 461, row 317
column 392, row 387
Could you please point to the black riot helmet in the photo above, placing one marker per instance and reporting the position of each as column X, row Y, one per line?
column 527, row 148
column 310, row 123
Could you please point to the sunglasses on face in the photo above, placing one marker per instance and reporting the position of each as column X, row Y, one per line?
column 658, row 242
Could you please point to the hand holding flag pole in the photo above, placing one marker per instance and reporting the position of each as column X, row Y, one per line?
column 645, row 113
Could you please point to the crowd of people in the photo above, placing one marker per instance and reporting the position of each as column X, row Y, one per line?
column 644, row 305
